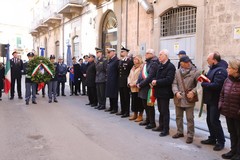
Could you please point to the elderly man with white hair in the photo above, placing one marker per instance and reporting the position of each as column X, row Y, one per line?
column 145, row 78
column 163, row 90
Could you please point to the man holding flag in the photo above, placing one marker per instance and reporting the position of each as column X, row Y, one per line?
column 146, row 90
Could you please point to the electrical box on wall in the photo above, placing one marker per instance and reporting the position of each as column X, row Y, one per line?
column 142, row 49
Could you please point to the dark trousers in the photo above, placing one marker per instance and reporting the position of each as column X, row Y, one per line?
column 150, row 112
column 62, row 89
column 214, row 124
column 18, row 86
column 92, row 95
column 101, row 93
column 113, row 104
column 83, row 85
column 164, row 115
column 137, row 105
column 234, row 130
column 73, row 88
column 125, row 99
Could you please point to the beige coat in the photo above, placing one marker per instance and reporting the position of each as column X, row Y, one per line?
column 133, row 77
column 190, row 81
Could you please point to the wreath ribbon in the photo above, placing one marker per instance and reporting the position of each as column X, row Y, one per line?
column 44, row 66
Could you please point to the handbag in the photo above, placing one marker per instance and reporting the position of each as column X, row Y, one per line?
column 189, row 100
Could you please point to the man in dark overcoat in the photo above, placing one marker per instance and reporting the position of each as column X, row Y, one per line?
column 163, row 90
column 125, row 65
column 112, row 80
column 16, row 74
column 90, row 81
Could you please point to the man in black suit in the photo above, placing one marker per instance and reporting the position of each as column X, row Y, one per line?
column 16, row 74
column 90, row 81
column 125, row 65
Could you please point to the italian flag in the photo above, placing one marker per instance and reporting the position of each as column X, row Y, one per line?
column 7, row 82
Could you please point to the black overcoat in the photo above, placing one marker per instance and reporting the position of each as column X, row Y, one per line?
column 91, row 75
column 112, row 78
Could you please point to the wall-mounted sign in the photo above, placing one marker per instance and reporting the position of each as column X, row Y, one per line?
column 236, row 33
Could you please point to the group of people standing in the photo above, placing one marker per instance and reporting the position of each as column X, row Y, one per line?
column 159, row 79
column 141, row 83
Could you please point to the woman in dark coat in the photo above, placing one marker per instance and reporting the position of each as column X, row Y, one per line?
column 2, row 73
column 229, row 105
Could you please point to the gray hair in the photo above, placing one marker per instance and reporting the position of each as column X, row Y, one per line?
column 165, row 51
column 151, row 51
column 235, row 64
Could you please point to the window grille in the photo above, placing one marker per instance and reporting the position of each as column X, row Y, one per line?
column 179, row 21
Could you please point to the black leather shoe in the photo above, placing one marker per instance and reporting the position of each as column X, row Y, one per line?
column 64, row 95
column 11, row 98
column 150, row 126
column 49, row 101
column 119, row 114
column 157, row 129
column 102, row 108
column 208, row 141
column 34, row 102
column 164, row 133
column 113, row 112
column 125, row 115
column 143, row 123
column 93, row 105
column 97, row 107
column 218, row 147
column 88, row 104
column 177, row 135
column 228, row 155
column 20, row 97
column 55, row 100
column 108, row 110
column 27, row 102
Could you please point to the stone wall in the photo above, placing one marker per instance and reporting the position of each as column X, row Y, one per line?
column 221, row 17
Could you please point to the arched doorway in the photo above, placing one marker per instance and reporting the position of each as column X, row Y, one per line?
column 109, row 31
column 178, row 31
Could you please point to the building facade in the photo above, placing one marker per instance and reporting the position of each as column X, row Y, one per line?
column 196, row 26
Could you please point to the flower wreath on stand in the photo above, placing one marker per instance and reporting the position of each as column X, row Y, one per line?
column 41, row 70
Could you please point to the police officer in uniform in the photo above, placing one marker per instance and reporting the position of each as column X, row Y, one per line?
column 125, row 65
column 29, row 84
column 101, row 71
column 52, row 84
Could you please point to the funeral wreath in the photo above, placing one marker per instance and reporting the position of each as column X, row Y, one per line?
column 40, row 69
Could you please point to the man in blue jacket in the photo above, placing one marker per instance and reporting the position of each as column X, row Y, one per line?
column 211, row 93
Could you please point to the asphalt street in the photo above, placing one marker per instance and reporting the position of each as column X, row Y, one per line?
column 70, row 130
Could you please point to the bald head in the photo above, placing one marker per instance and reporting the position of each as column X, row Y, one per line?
column 213, row 58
